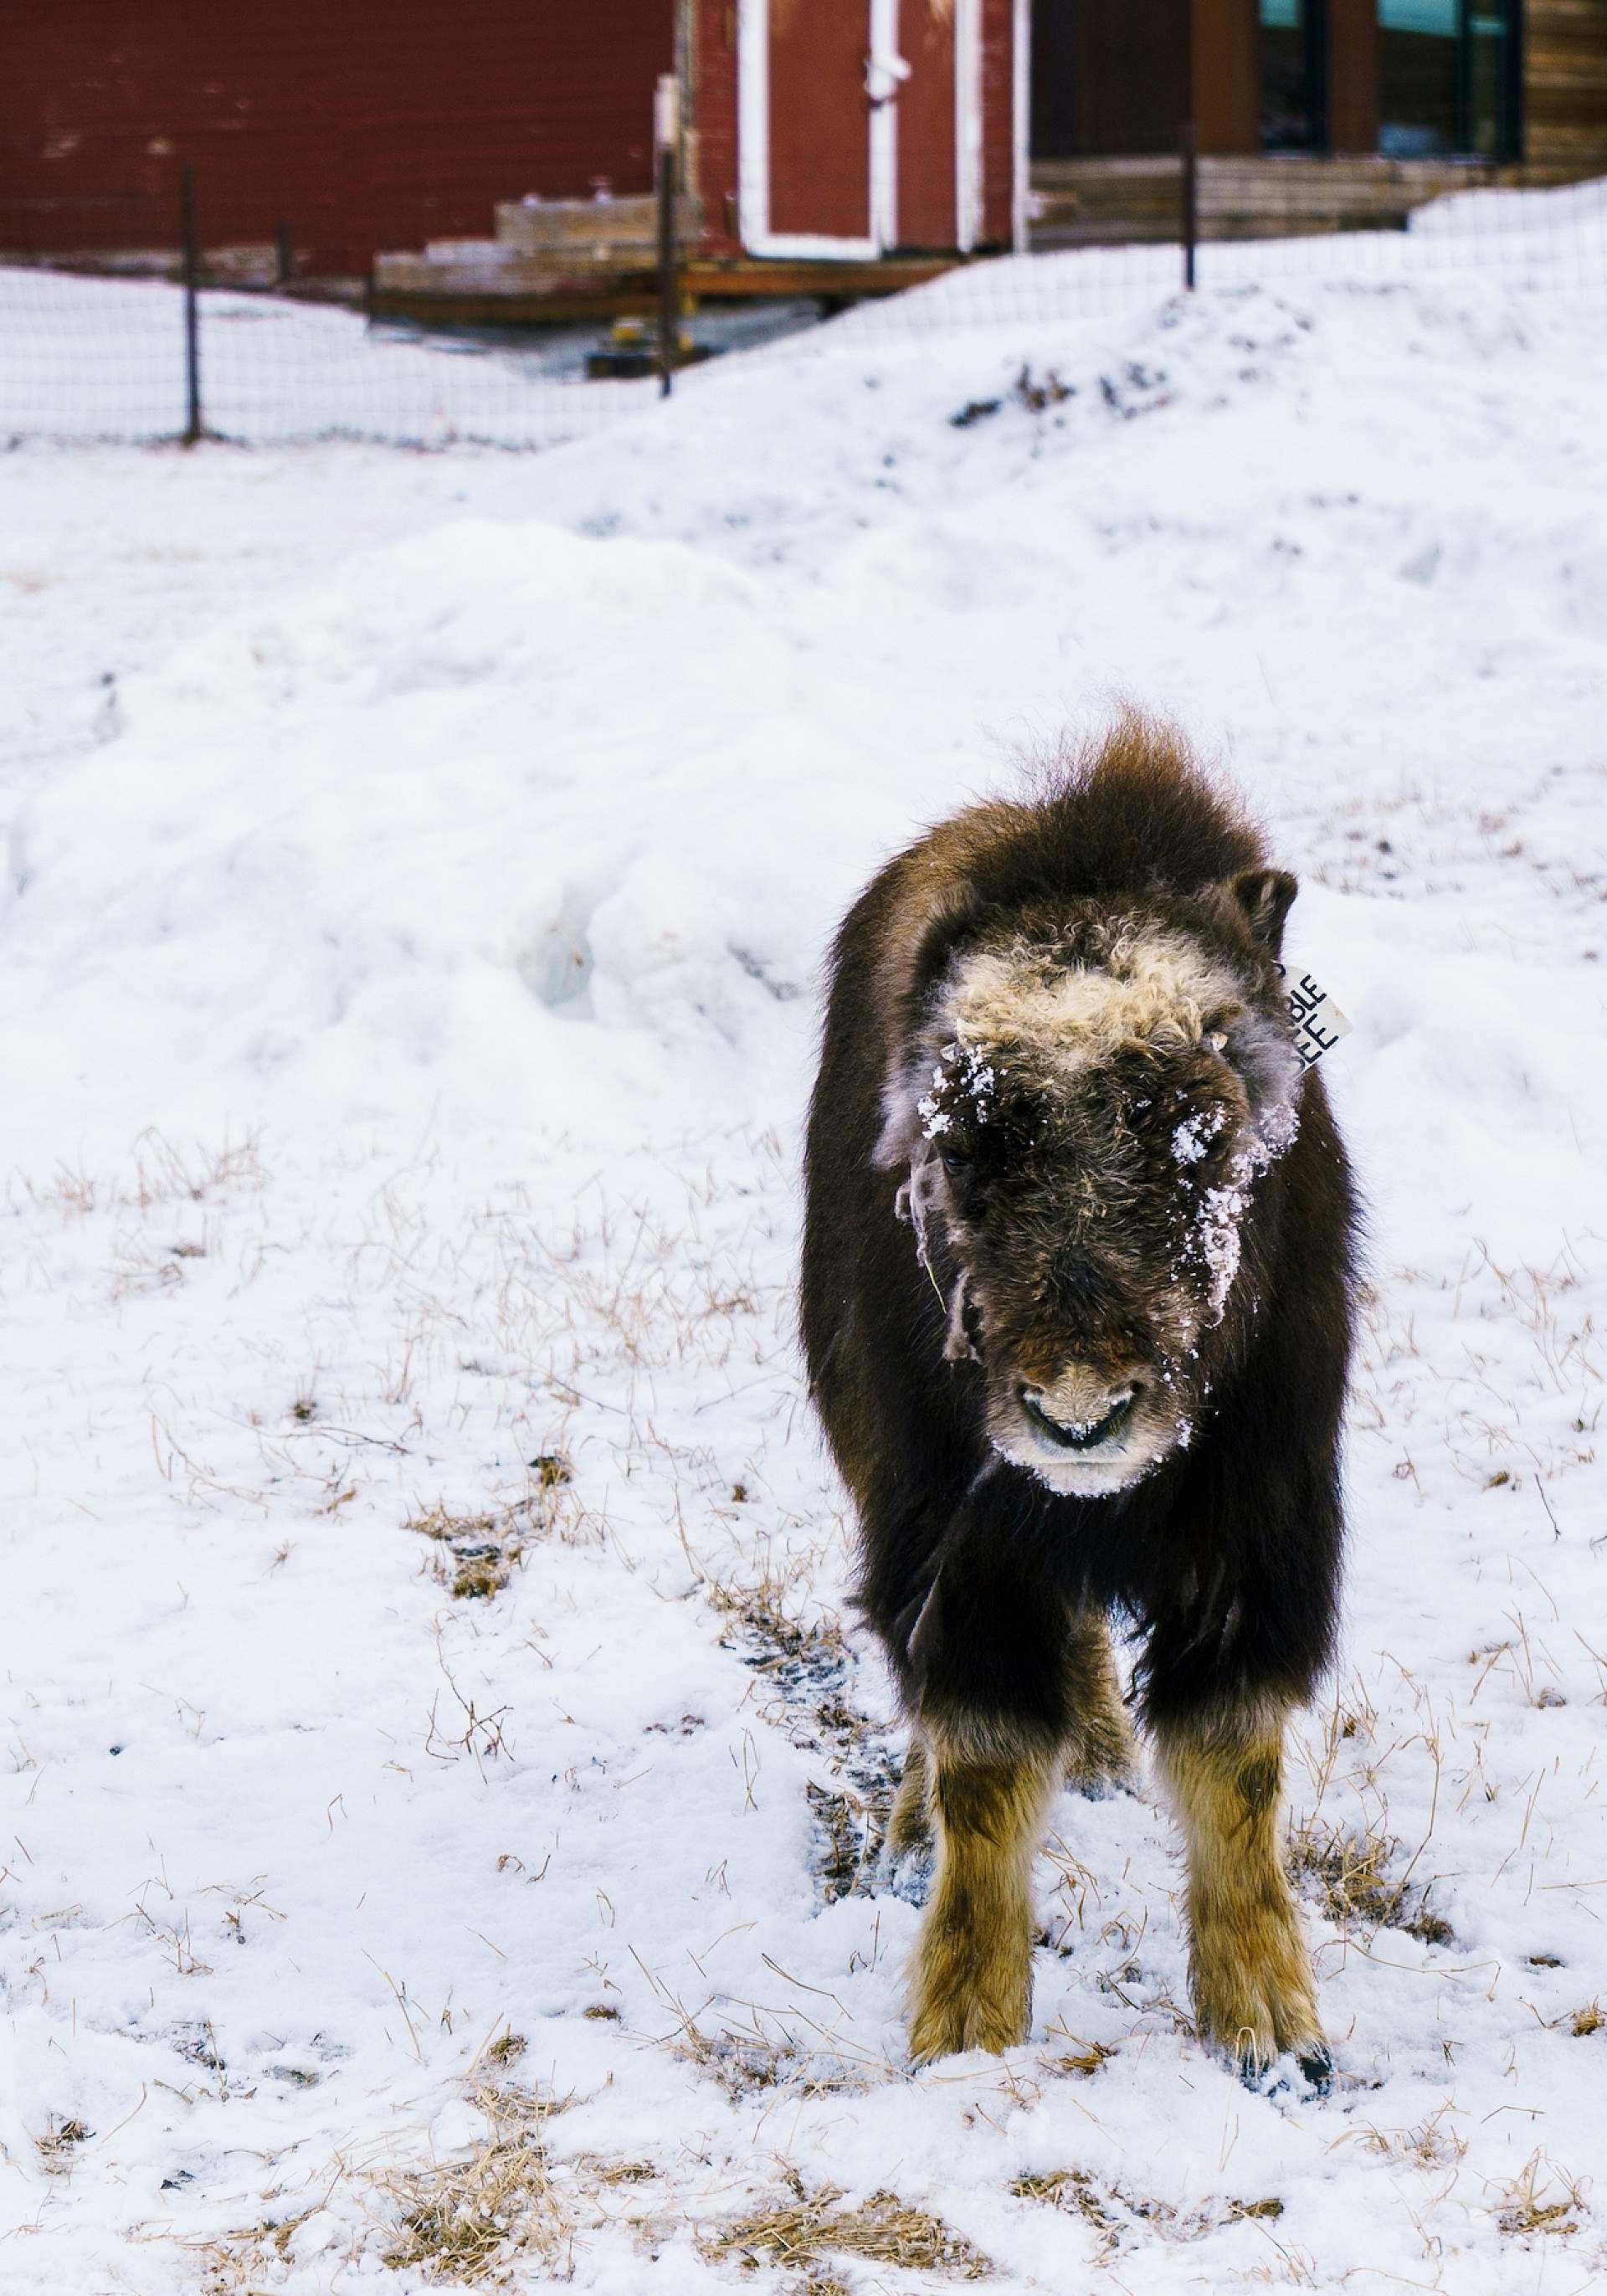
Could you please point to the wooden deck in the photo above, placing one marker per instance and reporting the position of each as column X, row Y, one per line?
column 634, row 294
column 1114, row 202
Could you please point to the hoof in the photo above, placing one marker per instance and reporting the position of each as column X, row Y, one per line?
column 1315, row 2062
column 1312, row 2060
column 948, row 2028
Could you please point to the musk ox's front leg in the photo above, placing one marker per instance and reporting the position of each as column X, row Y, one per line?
column 984, row 1673
column 1249, row 1968
column 972, row 1977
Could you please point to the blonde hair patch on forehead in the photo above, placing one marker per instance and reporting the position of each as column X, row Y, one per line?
column 1145, row 987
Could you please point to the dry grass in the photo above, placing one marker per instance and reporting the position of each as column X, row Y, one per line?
column 479, row 1552
column 810, row 2227
column 163, row 1174
column 809, row 1669
column 1428, row 2144
column 246, row 2262
column 500, row 2216
column 1074, row 2193
column 1085, row 2059
column 60, row 2144
column 1116, row 2214
column 1479, row 1394
column 751, row 2048
column 608, row 2173
column 469, row 2221
column 1542, row 2199
column 1347, row 1870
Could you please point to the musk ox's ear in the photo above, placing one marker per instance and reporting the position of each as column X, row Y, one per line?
column 899, row 1142
column 1263, row 897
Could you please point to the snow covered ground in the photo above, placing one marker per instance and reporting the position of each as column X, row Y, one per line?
column 441, row 1769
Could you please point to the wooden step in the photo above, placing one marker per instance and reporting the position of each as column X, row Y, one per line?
column 539, row 226
column 506, row 272
column 542, row 248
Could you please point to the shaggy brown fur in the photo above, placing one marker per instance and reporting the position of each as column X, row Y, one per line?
column 1077, row 1306
column 1252, row 1980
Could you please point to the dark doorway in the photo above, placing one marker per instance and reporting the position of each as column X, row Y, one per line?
column 1109, row 76
column 1294, row 112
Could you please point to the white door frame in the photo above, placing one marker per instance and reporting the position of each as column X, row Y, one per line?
column 1020, row 78
column 753, row 154
column 891, row 70
column 967, row 124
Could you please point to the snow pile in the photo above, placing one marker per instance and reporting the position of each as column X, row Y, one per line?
column 444, row 1776
column 1578, row 210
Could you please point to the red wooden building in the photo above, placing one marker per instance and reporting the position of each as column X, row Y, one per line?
column 836, row 130
column 817, row 133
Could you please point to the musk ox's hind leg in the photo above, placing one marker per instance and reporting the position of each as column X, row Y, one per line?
column 972, row 1977
column 1249, row 1968
column 909, row 1826
column 1099, row 1746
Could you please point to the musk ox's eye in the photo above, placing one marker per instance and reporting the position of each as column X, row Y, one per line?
column 954, row 1157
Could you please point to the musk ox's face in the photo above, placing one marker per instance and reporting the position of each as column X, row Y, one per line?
column 1084, row 1122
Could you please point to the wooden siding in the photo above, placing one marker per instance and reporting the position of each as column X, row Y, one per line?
column 1352, row 76
column 820, row 117
column 998, row 122
column 1565, row 84
column 362, row 134
column 1226, row 41
column 709, row 41
column 1109, row 76
column 928, row 185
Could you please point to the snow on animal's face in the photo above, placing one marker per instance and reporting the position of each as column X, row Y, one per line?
column 1085, row 1121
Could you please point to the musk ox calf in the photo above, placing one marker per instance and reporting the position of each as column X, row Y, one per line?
column 1077, row 1305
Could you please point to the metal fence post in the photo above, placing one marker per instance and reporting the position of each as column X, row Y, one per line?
column 667, row 137
column 1188, row 146
column 187, row 210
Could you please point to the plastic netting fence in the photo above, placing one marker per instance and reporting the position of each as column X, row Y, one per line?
column 104, row 359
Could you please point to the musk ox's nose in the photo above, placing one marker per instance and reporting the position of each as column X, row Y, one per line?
column 1079, row 1411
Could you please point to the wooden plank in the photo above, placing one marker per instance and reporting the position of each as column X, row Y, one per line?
column 618, row 302
column 1225, row 39
column 820, row 118
column 1107, row 202
column 1565, row 83
column 927, row 204
column 717, row 280
column 1353, row 75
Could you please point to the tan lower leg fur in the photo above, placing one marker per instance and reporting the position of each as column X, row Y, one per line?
column 1249, row 1968
column 972, row 1977
column 1099, row 1750
column 909, row 1827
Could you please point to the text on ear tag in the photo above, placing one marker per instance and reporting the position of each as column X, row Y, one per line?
column 1316, row 1019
